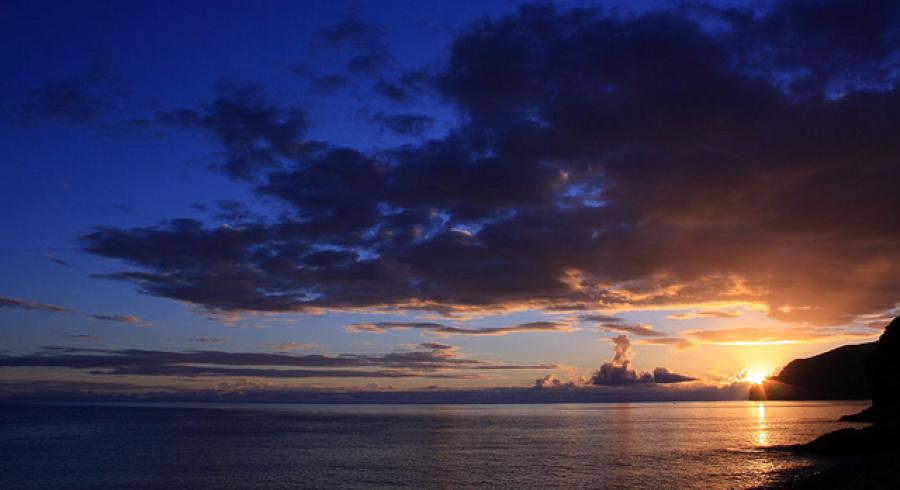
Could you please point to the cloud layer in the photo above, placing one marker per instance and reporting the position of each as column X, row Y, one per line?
column 429, row 360
column 686, row 157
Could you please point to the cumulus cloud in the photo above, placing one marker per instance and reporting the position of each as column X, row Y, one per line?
column 600, row 162
column 618, row 372
column 441, row 329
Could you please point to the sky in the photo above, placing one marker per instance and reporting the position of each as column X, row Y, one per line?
column 619, row 200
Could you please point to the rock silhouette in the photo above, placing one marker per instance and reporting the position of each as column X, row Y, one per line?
column 839, row 374
column 882, row 367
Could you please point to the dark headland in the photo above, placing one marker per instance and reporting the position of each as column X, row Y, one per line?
column 865, row 457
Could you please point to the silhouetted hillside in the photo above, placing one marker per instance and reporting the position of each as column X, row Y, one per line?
column 838, row 374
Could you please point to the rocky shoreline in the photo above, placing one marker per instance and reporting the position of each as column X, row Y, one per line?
column 867, row 457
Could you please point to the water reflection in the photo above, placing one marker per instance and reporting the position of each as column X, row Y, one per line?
column 761, row 429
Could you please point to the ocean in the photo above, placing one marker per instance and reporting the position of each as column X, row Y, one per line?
column 615, row 445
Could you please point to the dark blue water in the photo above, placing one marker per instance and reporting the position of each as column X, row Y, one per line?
column 641, row 445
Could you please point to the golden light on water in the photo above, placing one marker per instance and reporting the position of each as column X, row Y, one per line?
column 762, row 432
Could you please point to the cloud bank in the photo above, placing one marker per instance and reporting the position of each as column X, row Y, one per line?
column 600, row 161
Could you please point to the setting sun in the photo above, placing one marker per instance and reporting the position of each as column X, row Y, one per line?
column 755, row 376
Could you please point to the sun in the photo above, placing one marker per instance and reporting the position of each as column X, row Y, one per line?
column 755, row 376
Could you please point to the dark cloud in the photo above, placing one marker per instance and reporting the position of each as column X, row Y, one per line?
column 676, row 159
column 663, row 376
column 62, row 100
column 56, row 260
column 404, row 124
column 601, row 318
column 406, row 87
column 369, row 50
column 431, row 360
column 441, row 329
column 253, row 130
column 323, row 83
column 84, row 337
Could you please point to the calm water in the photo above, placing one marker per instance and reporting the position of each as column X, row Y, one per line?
column 637, row 445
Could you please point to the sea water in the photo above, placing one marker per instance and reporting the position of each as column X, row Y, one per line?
column 616, row 445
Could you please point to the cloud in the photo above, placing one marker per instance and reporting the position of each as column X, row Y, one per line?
column 773, row 336
column 252, row 129
column 255, row 391
column 56, row 260
column 129, row 319
column 292, row 346
column 705, row 314
column 674, row 342
column 618, row 372
column 94, row 97
column 406, row 87
column 429, row 360
column 206, row 340
column 370, row 52
column 404, row 124
column 84, row 337
column 639, row 329
column 600, row 162
column 441, row 329
column 62, row 100
column 6, row 302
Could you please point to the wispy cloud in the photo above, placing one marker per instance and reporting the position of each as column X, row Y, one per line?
column 56, row 260
column 293, row 346
column 6, row 302
column 774, row 336
column 84, row 337
column 442, row 329
column 705, row 314
column 428, row 360
column 206, row 340
column 129, row 319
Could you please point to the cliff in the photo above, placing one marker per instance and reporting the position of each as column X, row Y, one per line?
column 839, row 374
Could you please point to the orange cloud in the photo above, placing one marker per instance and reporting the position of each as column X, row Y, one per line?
column 771, row 336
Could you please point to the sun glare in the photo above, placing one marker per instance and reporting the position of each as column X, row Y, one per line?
column 755, row 376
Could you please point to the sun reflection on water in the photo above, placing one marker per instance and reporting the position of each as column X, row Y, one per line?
column 762, row 432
